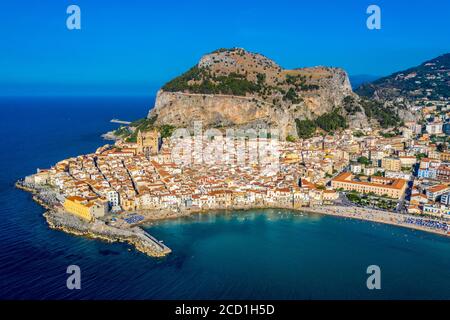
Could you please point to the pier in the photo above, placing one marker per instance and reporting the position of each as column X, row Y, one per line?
column 152, row 242
column 120, row 121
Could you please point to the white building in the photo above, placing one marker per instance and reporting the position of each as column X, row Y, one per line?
column 445, row 199
column 356, row 168
column 397, row 175
column 434, row 128
column 113, row 198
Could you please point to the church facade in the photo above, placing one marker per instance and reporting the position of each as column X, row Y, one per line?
column 148, row 142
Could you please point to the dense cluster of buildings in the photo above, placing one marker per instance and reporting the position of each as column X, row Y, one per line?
column 410, row 164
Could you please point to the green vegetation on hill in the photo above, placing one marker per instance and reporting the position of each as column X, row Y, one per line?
column 129, row 134
column 328, row 122
column 144, row 124
column 358, row 134
column 290, row 138
column 122, row 131
column 292, row 96
column 203, row 80
column 299, row 82
column 200, row 80
column 376, row 110
column 166, row 130
column 350, row 105
column 331, row 121
column 305, row 128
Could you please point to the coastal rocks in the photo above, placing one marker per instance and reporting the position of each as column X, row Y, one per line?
column 41, row 194
column 97, row 229
column 136, row 237
column 109, row 136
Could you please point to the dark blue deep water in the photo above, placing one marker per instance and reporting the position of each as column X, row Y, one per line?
column 268, row 254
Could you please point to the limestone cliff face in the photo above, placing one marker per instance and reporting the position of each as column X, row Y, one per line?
column 235, row 88
column 181, row 109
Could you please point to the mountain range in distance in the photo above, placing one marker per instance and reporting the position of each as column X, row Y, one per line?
column 359, row 79
column 429, row 80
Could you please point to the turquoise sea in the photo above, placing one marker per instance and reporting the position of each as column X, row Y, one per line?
column 259, row 254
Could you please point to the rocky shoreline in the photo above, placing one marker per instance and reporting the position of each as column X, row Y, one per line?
column 59, row 220
column 110, row 135
column 135, row 236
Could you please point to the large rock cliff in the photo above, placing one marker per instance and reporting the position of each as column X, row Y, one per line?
column 236, row 88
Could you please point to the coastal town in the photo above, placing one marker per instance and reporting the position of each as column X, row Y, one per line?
column 402, row 174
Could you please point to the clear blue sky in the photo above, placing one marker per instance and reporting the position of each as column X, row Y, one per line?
column 133, row 47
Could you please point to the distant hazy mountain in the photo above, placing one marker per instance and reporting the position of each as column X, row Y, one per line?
column 431, row 79
column 359, row 79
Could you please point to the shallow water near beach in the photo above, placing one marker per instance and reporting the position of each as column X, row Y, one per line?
column 257, row 254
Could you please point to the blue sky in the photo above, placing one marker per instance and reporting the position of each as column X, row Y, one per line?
column 133, row 47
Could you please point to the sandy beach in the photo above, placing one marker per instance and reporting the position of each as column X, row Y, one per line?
column 376, row 216
column 367, row 214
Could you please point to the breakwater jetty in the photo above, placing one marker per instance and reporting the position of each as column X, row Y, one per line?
column 97, row 229
column 120, row 121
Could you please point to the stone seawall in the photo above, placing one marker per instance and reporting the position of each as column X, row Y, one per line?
column 136, row 237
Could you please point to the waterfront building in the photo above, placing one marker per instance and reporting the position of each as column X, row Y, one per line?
column 436, row 209
column 85, row 209
column 418, row 198
column 393, row 188
column 329, row 196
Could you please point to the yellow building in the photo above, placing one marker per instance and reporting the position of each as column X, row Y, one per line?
column 78, row 206
column 445, row 156
column 85, row 209
column 393, row 188
column 291, row 158
column 391, row 164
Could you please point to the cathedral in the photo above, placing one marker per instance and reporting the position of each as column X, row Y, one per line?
column 148, row 142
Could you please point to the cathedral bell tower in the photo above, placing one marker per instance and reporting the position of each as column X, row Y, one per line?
column 148, row 142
